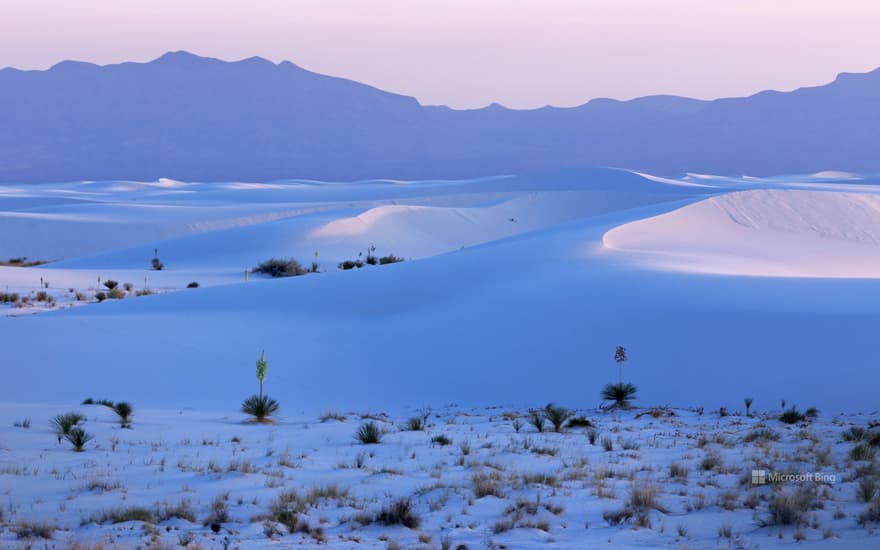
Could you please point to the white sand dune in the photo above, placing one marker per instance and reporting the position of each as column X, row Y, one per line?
column 776, row 233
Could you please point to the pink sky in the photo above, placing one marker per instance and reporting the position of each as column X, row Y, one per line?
column 471, row 53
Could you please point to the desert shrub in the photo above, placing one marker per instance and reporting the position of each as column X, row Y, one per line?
column 761, row 434
column 557, row 416
column 143, row 292
column 789, row 508
column 279, row 267
column 123, row 409
column 193, row 284
column 441, row 440
column 487, row 484
column 416, row 424
column 678, row 471
column 42, row 296
column 389, row 259
column 157, row 265
column 351, row 264
column 862, row 451
column 398, row 512
column 368, row 433
column 78, row 437
column 88, row 401
column 8, row 297
column 128, row 287
column 100, row 296
column 110, row 284
column 855, row 433
column 261, row 407
column 579, row 422
column 812, row 413
column 621, row 394
column 61, row 424
column 219, row 510
column 33, row 530
column 116, row 294
column 791, row 416
column 536, row 418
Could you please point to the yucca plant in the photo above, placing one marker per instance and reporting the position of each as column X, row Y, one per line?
column 61, row 424
column 368, row 433
column 124, row 409
column 557, row 416
column 620, row 394
column 78, row 437
column 261, row 407
column 748, row 402
column 536, row 418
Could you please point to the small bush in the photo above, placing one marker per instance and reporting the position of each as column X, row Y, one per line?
column 351, row 264
column 128, row 287
column 279, row 267
column 42, row 296
column 25, row 423
column 389, row 259
column 368, row 433
column 580, row 422
column 219, row 510
column 761, row 434
column 441, row 440
column 88, row 401
column 260, row 407
column 110, row 284
column 678, row 471
column 855, row 433
column 607, row 444
column 100, row 296
column 398, row 512
column 789, row 508
column 592, row 435
column 620, row 394
column 81, row 297
column 193, row 284
column 862, row 451
column 33, row 530
column 78, row 437
column 143, row 292
column 557, row 416
column 157, row 265
column 710, row 462
column 791, row 416
column 8, row 297
column 416, row 424
column 123, row 410
column 487, row 484
column 116, row 294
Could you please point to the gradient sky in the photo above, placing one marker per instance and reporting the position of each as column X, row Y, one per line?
column 468, row 53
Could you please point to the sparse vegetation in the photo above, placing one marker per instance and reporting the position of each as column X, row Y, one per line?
column 620, row 395
column 389, row 259
column 416, row 423
column 369, row 433
column 279, row 267
column 123, row 410
column 398, row 512
column 193, row 284
column 61, row 424
column 78, row 437
column 557, row 416
column 261, row 407
column 792, row 416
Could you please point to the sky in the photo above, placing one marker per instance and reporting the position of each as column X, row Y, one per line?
column 469, row 53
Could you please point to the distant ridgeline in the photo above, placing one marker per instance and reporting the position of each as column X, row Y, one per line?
column 192, row 118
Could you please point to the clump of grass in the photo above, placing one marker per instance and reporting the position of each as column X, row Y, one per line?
column 100, row 296
column 416, row 423
column 678, row 471
column 792, row 416
column 122, row 515
column 761, row 434
column 441, row 440
column 332, row 415
column 34, row 530
column 279, row 267
column 398, row 512
column 116, row 294
column 261, row 407
column 143, row 292
column 123, row 410
column 390, row 259
column 78, row 437
column 193, row 284
column 579, row 422
column 855, row 433
column 620, row 394
column 368, row 433
column 24, row 423
column 156, row 264
column 8, row 297
column 487, row 484
column 862, row 451
column 710, row 462
column 557, row 416
column 789, row 508
column 219, row 511
column 61, row 424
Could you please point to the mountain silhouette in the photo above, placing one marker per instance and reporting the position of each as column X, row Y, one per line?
column 188, row 117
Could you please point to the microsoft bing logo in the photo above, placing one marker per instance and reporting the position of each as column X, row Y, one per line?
column 759, row 477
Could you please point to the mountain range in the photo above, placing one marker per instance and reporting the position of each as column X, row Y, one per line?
column 188, row 117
